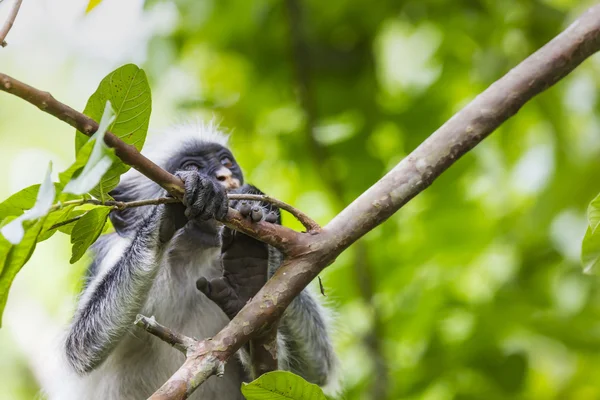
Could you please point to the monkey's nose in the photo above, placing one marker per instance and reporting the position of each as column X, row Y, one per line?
column 224, row 176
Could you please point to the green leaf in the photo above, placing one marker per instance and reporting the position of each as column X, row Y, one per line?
column 68, row 229
column 594, row 213
column 100, row 159
column 128, row 90
column 13, row 257
column 86, row 231
column 19, row 202
column 590, row 252
column 14, row 230
column 53, row 218
column 281, row 385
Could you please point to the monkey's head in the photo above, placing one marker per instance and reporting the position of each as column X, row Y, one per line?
column 208, row 158
column 191, row 146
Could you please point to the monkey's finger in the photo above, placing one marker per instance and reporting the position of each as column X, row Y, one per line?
column 222, row 209
column 245, row 208
column 272, row 217
column 203, row 200
column 203, row 285
column 256, row 214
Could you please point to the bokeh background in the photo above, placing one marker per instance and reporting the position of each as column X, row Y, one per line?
column 472, row 291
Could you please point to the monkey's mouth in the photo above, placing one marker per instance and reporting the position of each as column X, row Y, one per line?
column 230, row 183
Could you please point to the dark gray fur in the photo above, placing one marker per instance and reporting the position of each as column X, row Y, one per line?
column 150, row 266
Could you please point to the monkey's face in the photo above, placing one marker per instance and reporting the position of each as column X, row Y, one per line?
column 210, row 159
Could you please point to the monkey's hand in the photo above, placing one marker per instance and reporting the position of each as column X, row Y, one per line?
column 204, row 198
column 245, row 260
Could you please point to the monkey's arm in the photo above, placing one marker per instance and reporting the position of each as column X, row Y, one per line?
column 304, row 343
column 121, row 276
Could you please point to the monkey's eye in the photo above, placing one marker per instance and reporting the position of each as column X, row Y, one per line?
column 190, row 166
column 226, row 162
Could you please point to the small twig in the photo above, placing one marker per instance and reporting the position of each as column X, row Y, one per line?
column 321, row 287
column 180, row 342
column 118, row 205
column 65, row 222
column 310, row 225
column 9, row 22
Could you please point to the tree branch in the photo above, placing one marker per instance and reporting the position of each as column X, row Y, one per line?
column 180, row 342
column 310, row 225
column 411, row 176
column 9, row 22
column 276, row 235
column 310, row 254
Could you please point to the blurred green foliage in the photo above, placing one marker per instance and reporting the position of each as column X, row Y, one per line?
column 474, row 290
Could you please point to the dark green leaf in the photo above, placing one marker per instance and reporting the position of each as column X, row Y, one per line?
column 86, row 231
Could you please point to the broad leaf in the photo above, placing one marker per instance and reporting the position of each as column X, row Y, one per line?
column 15, row 257
column 19, row 202
column 128, row 91
column 100, row 159
column 14, row 230
column 594, row 213
column 86, row 231
column 53, row 218
column 68, row 229
column 281, row 385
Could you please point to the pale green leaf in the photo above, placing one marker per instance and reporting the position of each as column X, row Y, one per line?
column 19, row 202
column 281, row 385
column 14, row 231
column 86, row 231
column 594, row 213
column 13, row 257
column 590, row 252
column 100, row 159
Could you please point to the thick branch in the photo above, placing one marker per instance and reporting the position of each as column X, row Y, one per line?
column 275, row 235
column 411, row 176
column 9, row 22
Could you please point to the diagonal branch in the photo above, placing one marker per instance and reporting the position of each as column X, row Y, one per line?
column 9, row 22
column 411, row 176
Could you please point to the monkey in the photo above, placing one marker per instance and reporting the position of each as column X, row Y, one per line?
column 175, row 262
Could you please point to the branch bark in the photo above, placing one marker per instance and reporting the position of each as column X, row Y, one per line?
column 9, row 22
column 309, row 254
